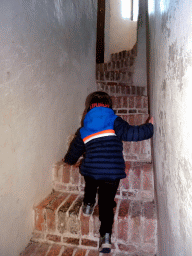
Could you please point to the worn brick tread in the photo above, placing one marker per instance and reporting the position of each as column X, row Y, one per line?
column 135, row 224
column 40, row 249
column 59, row 217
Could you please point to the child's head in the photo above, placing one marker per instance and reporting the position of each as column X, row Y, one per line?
column 99, row 99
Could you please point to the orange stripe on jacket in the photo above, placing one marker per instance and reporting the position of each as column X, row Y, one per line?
column 112, row 132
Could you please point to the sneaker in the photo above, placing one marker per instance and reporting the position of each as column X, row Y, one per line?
column 105, row 243
column 88, row 209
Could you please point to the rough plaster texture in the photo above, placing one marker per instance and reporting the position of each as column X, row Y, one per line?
column 120, row 34
column 170, row 27
column 47, row 68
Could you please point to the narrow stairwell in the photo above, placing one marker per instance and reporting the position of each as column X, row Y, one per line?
column 59, row 225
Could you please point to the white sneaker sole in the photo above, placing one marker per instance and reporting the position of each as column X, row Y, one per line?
column 105, row 247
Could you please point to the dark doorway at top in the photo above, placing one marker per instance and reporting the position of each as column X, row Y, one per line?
column 100, row 31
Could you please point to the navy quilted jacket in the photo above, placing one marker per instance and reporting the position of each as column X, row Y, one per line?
column 101, row 140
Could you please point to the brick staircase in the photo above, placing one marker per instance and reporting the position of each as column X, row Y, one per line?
column 59, row 225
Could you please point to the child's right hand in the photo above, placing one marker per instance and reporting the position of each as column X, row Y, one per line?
column 151, row 120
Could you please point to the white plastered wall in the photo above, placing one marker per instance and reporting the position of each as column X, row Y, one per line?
column 170, row 24
column 140, row 65
column 120, row 34
column 47, row 68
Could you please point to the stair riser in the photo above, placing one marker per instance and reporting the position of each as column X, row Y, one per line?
column 137, row 185
column 130, row 103
column 119, row 89
column 137, row 151
column 121, row 76
column 116, row 64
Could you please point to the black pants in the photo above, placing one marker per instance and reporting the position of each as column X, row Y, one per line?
column 106, row 192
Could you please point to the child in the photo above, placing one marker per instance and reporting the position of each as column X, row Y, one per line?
column 103, row 166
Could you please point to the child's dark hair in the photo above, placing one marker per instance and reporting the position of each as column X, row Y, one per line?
column 99, row 98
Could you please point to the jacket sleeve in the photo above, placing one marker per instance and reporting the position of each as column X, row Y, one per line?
column 126, row 132
column 76, row 149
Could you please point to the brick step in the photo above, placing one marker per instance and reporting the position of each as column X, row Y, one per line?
column 138, row 185
column 120, row 88
column 118, row 61
column 131, row 105
column 123, row 75
column 59, row 219
column 46, row 249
